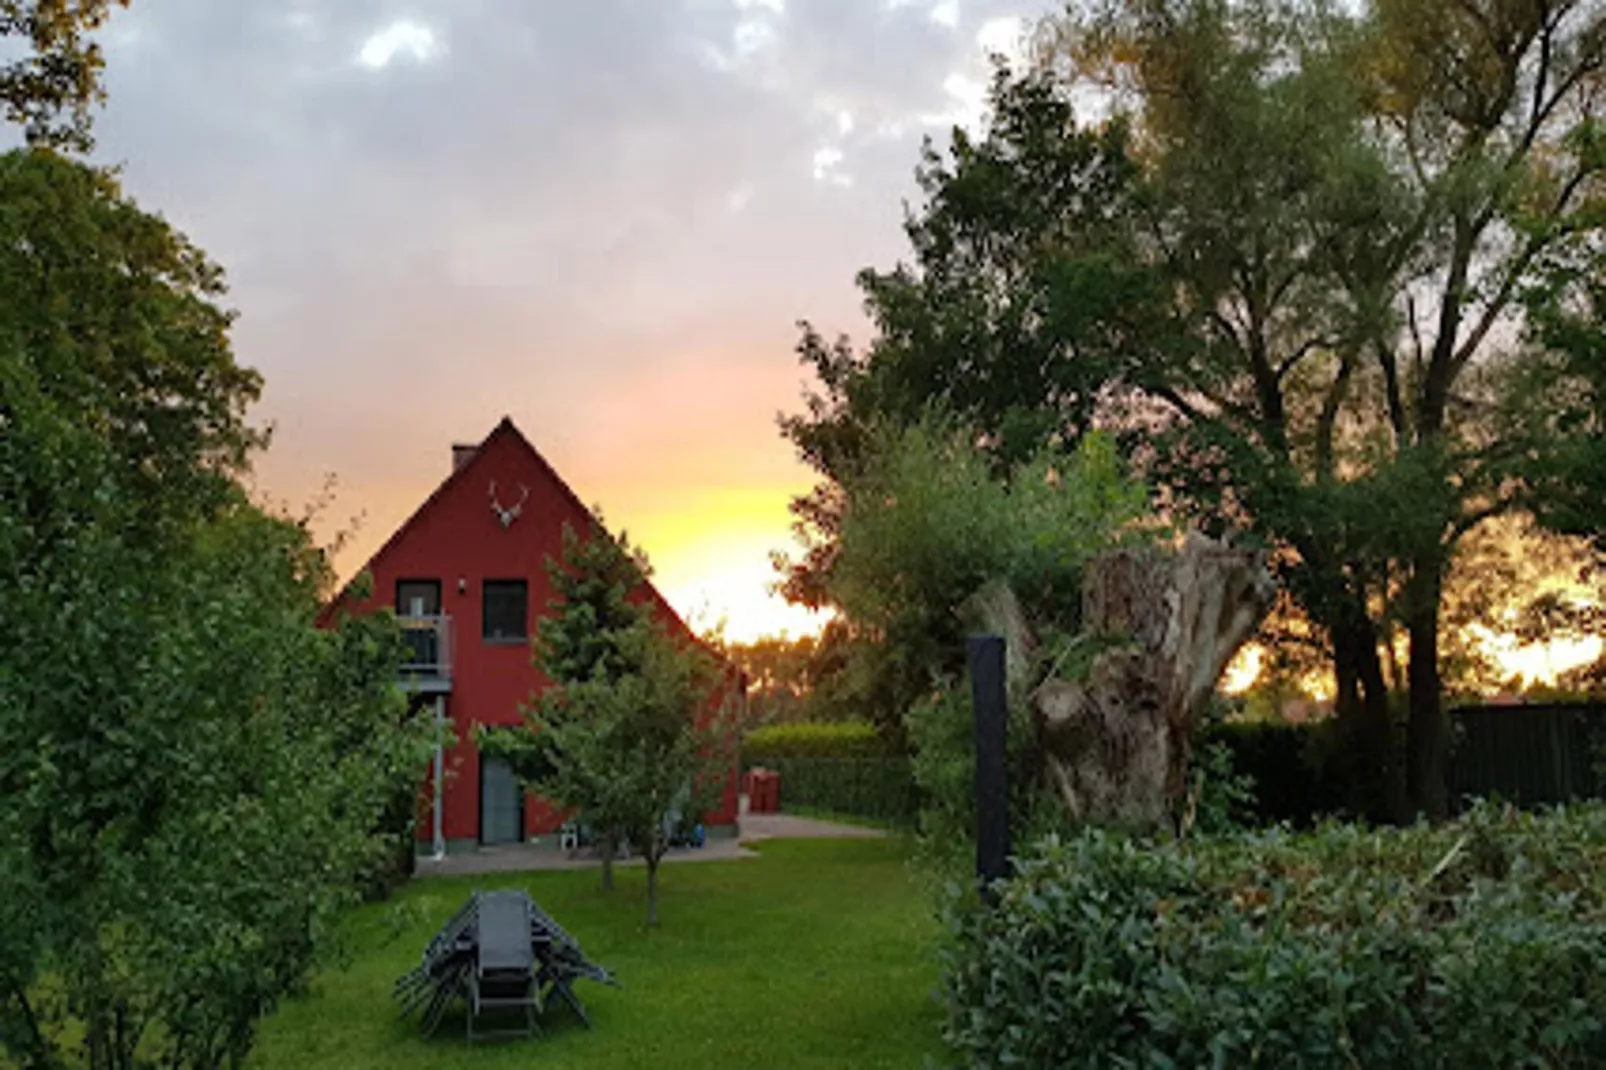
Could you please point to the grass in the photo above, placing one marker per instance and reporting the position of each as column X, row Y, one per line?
column 820, row 813
column 816, row 954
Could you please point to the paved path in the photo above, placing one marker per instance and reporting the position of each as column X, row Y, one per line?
column 546, row 855
column 791, row 827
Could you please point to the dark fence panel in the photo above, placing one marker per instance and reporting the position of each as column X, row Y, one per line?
column 881, row 789
column 1529, row 755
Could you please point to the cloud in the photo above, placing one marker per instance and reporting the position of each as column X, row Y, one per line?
column 827, row 167
column 404, row 38
column 437, row 211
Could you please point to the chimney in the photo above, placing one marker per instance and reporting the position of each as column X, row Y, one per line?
column 461, row 455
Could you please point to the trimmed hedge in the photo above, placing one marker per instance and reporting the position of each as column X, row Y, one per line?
column 878, row 788
column 1477, row 944
column 812, row 739
column 1293, row 768
column 841, row 766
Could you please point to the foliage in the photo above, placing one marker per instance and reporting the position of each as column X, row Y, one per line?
column 927, row 522
column 942, row 730
column 630, row 732
column 1514, row 581
column 809, row 739
column 1567, row 327
column 593, row 585
column 1477, row 944
column 1289, row 767
column 190, row 770
column 1220, row 799
column 1306, row 270
column 781, row 676
column 60, row 72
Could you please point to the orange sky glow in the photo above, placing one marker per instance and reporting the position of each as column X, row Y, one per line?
column 603, row 220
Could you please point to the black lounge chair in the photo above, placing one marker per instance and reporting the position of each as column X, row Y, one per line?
column 504, row 977
column 500, row 954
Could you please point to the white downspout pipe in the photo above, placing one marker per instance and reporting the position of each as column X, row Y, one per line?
column 440, row 773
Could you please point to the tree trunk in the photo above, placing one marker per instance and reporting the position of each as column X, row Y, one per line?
column 652, row 890
column 1427, row 736
column 1368, row 766
column 1116, row 743
column 609, row 846
column 39, row 1053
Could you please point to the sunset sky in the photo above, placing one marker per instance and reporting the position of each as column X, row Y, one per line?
column 602, row 219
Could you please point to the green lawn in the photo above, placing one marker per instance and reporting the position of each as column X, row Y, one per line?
column 816, row 954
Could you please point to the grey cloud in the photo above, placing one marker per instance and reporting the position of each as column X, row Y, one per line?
column 531, row 213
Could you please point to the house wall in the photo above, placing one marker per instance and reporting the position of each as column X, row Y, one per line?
column 458, row 539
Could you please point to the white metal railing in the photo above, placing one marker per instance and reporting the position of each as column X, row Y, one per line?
column 429, row 647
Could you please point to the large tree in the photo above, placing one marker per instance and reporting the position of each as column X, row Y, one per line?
column 1292, row 265
column 191, row 772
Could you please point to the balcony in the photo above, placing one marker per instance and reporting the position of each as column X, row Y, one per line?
column 427, row 665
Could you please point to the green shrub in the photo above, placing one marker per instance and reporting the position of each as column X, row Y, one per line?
column 812, row 739
column 876, row 788
column 1293, row 768
column 943, row 732
column 1481, row 943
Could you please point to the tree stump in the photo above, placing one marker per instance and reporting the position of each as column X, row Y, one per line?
column 1116, row 743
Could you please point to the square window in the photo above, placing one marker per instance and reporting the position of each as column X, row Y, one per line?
column 506, row 610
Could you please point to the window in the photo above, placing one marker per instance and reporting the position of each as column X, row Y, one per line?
column 418, row 598
column 506, row 609
column 416, row 602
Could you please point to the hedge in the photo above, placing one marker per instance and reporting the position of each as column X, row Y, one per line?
column 1530, row 755
column 878, row 788
column 812, row 739
column 1293, row 767
column 1476, row 944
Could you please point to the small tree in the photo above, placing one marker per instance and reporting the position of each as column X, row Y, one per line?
column 652, row 739
column 580, row 641
column 625, row 734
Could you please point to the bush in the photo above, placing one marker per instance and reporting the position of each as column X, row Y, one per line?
column 1481, row 943
column 877, row 788
column 944, row 735
column 1292, row 767
column 812, row 739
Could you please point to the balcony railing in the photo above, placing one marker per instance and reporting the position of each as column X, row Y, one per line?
column 427, row 664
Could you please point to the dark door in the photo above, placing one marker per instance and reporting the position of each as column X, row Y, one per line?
column 501, row 803
column 415, row 600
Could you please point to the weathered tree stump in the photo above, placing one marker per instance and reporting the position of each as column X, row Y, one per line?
column 1115, row 744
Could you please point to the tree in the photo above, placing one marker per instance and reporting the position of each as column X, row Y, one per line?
column 780, row 673
column 625, row 733
column 926, row 523
column 60, row 75
column 1290, row 270
column 190, row 770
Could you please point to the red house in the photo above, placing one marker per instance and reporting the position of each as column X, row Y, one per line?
column 467, row 576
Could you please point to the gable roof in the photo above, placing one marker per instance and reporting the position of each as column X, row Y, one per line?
column 505, row 429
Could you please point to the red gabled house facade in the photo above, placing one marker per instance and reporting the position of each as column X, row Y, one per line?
column 467, row 576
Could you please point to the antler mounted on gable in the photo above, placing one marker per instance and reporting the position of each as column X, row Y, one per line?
column 512, row 512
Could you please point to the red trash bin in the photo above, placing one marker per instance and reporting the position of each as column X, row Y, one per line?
column 764, row 796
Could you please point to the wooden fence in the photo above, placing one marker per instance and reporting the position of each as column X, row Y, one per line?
column 1529, row 755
